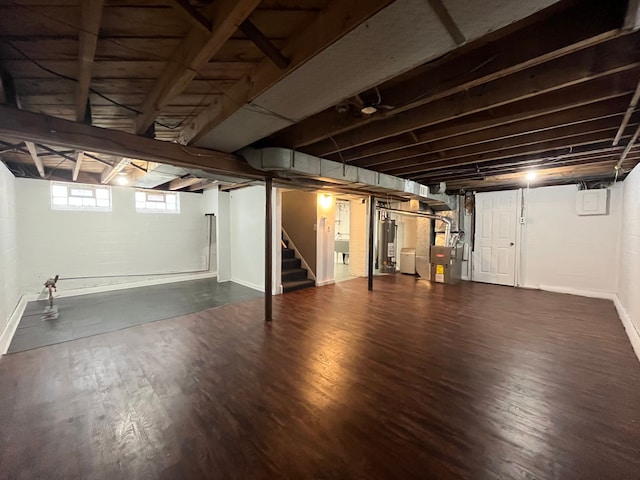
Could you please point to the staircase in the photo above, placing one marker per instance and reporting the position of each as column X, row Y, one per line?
column 294, row 277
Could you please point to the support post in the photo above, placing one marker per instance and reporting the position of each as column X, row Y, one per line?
column 268, row 254
column 372, row 212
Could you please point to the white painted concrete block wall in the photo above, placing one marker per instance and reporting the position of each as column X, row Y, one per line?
column 115, row 247
column 629, row 281
column 9, row 289
column 563, row 250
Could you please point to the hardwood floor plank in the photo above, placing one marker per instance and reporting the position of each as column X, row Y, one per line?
column 412, row 380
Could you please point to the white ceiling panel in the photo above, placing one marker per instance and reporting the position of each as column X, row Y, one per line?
column 476, row 19
column 402, row 36
column 377, row 50
column 240, row 129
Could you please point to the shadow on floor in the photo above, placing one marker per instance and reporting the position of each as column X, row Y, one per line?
column 86, row 315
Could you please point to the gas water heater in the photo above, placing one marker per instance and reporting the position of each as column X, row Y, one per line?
column 387, row 246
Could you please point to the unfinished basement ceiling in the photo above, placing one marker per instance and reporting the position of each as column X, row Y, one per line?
column 473, row 94
column 379, row 49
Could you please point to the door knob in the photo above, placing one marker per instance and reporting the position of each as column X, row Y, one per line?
column 511, row 244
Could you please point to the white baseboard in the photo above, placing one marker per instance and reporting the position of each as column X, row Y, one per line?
column 12, row 325
column 575, row 291
column 255, row 286
column 325, row 282
column 629, row 327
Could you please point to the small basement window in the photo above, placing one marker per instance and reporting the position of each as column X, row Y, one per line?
column 153, row 201
column 73, row 196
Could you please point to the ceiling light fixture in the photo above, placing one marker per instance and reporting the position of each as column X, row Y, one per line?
column 368, row 109
column 122, row 179
column 531, row 175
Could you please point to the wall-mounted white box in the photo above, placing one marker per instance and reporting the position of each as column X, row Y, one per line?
column 592, row 202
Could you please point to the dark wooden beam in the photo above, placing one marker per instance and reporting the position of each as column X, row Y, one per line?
column 573, row 142
column 528, row 106
column 447, row 21
column 263, row 43
column 36, row 127
column 193, row 53
column 554, row 35
column 431, row 139
column 337, row 19
column 87, row 43
column 192, row 14
column 524, row 138
column 556, row 75
column 547, row 152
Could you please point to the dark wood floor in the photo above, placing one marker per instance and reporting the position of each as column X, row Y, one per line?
column 413, row 381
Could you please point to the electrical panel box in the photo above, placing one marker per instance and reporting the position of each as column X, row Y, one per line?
column 592, row 202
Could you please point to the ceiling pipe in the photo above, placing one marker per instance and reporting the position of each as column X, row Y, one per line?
column 627, row 115
column 447, row 221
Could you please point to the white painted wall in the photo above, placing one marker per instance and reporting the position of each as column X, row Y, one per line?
column 246, row 226
column 629, row 278
column 247, row 210
column 358, row 238
column 325, row 243
column 106, row 248
column 9, row 289
column 565, row 251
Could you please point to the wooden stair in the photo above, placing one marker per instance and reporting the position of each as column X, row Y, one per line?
column 294, row 277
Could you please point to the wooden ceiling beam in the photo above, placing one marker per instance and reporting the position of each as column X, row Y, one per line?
column 78, row 165
column 204, row 183
column 109, row 173
column 490, row 58
column 334, row 21
column 530, row 163
column 263, row 43
column 526, row 137
column 193, row 53
column 87, row 43
column 33, row 151
column 432, row 140
column 180, row 183
column 578, row 143
column 569, row 72
column 37, row 127
column 192, row 14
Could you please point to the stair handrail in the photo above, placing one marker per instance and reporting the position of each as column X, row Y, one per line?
column 299, row 255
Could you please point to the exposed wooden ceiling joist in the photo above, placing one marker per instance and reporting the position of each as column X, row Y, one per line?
column 180, row 183
column 577, row 28
column 36, row 127
column 87, row 43
column 33, row 151
column 192, row 14
column 441, row 138
column 78, row 165
column 338, row 18
column 263, row 43
column 191, row 55
column 557, row 75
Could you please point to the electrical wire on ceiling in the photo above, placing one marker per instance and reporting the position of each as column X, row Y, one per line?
column 198, row 74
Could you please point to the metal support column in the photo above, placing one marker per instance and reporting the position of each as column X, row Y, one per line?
column 268, row 254
column 372, row 213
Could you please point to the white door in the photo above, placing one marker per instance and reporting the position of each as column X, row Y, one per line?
column 495, row 245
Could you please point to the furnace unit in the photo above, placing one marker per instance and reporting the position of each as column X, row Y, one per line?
column 446, row 264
